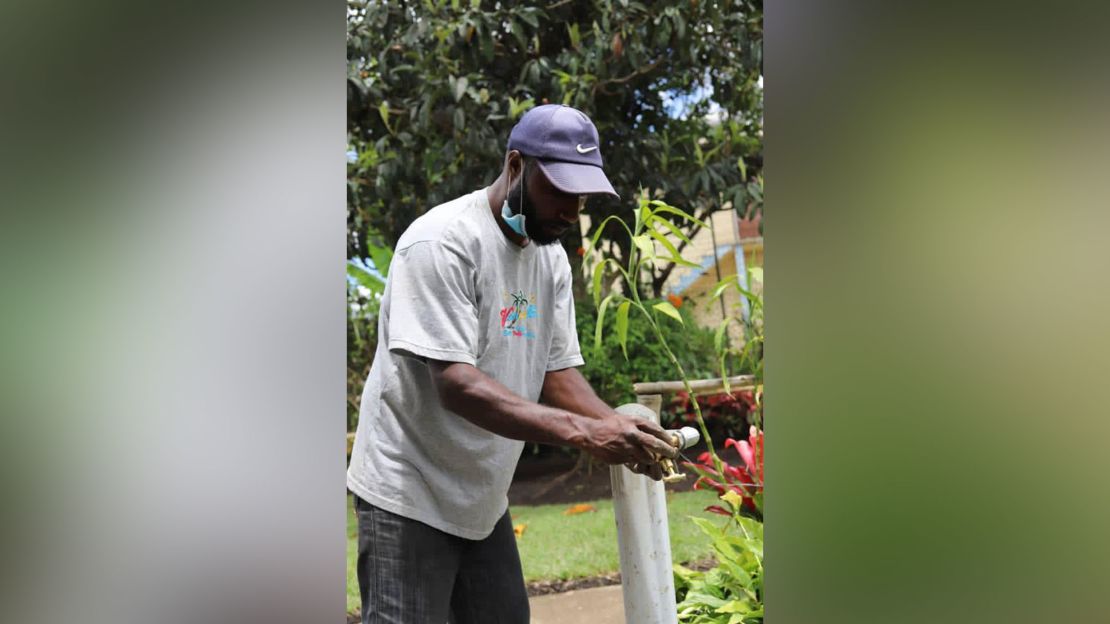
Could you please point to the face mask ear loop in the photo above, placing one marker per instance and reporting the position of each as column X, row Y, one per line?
column 516, row 222
column 523, row 187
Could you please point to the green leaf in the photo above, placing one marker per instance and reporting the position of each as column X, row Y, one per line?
column 382, row 257
column 383, row 110
column 756, row 273
column 735, row 606
column 643, row 216
column 516, row 109
column 529, row 16
column 599, row 270
column 518, row 33
column 706, row 526
column 622, row 326
column 705, row 599
column 601, row 227
column 643, row 242
column 719, row 289
column 742, row 167
column 719, row 335
column 365, row 278
column 675, row 256
column 669, row 310
column 662, row 207
column 672, row 227
column 601, row 321
column 740, row 574
column 752, row 298
column 575, row 38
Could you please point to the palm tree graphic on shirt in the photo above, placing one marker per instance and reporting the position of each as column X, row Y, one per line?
column 514, row 314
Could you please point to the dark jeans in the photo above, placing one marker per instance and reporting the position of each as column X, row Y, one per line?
column 410, row 573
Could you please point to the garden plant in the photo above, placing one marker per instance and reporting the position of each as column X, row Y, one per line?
column 731, row 592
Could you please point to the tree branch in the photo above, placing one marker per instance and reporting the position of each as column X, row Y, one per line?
column 639, row 72
column 643, row 70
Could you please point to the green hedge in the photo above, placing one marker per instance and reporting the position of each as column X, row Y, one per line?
column 612, row 376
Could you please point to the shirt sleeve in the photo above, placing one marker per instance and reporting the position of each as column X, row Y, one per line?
column 432, row 309
column 565, row 351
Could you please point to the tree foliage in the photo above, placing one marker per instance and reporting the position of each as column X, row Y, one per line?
column 434, row 87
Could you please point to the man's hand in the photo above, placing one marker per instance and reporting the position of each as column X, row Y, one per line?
column 576, row 416
column 611, row 437
column 621, row 439
column 655, row 471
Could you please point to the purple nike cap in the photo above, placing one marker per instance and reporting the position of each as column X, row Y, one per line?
column 565, row 142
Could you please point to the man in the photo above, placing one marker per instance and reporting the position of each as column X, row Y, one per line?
column 476, row 326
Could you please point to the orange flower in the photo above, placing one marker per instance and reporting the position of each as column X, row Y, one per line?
column 581, row 251
column 675, row 300
column 577, row 509
column 518, row 530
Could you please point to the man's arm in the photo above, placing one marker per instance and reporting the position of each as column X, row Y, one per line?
column 611, row 437
column 569, row 390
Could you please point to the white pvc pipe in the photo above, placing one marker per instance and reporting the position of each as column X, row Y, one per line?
column 640, row 506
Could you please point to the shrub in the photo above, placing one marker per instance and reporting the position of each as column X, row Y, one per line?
column 726, row 415
column 745, row 482
column 612, row 376
column 731, row 592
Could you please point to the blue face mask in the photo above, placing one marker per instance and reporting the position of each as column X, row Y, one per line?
column 516, row 222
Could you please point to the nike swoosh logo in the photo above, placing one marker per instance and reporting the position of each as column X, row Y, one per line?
column 584, row 150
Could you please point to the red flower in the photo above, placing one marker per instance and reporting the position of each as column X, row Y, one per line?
column 675, row 300
column 581, row 251
column 745, row 481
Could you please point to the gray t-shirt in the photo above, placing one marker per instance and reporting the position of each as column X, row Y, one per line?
column 458, row 291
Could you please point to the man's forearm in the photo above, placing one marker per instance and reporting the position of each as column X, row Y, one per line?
column 569, row 390
column 484, row 401
column 611, row 437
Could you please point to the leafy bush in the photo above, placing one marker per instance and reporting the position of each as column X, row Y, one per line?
column 732, row 592
column 612, row 376
column 726, row 415
column 745, row 483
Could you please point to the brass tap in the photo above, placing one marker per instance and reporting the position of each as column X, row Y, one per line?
column 681, row 439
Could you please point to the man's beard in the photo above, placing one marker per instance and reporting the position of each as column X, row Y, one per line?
column 532, row 223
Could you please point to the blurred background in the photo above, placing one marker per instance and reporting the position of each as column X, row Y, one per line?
column 177, row 218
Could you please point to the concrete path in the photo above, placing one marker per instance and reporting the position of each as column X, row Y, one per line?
column 598, row 605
